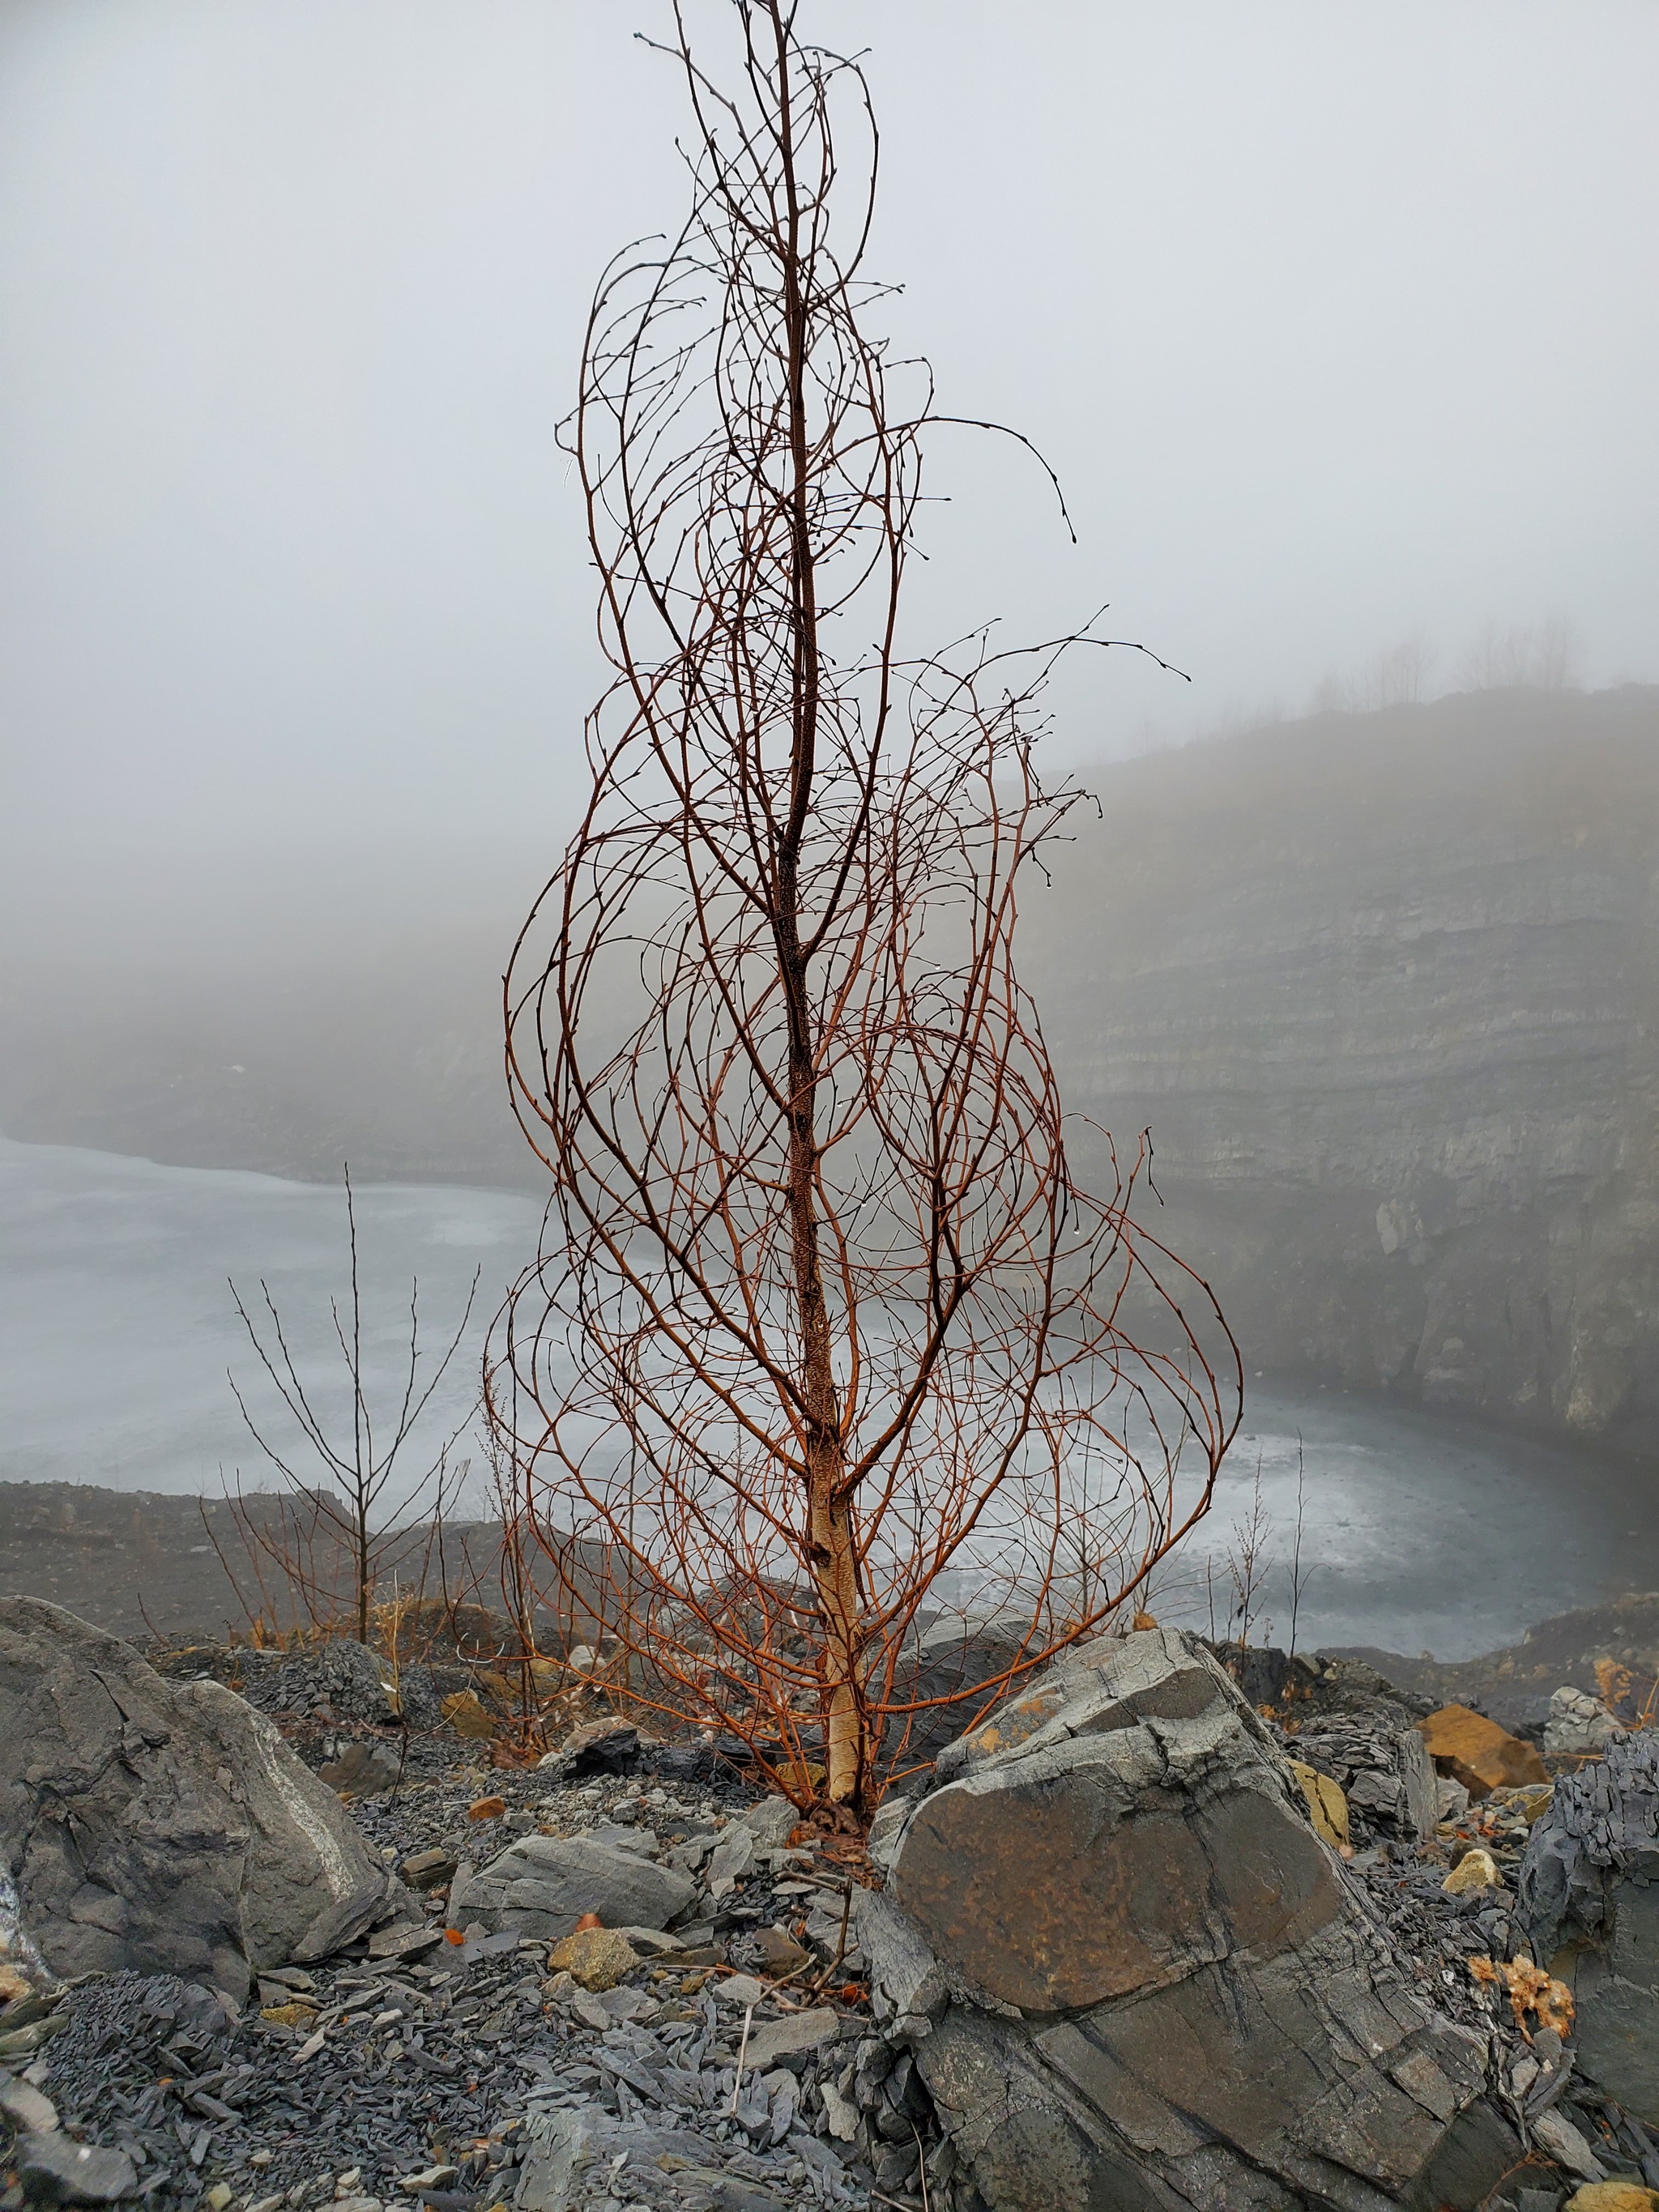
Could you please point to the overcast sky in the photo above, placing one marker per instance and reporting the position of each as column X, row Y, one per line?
column 1338, row 321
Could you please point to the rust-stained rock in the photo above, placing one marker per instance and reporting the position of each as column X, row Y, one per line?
column 1328, row 1808
column 598, row 1958
column 427, row 1869
column 466, row 1714
column 1476, row 1869
column 1114, row 1829
column 1476, row 1753
column 1132, row 1976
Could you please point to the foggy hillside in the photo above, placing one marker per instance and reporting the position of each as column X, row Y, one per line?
column 1385, row 986
column 1386, row 989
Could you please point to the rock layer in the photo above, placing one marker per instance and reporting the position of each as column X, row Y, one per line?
column 156, row 1827
column 1385, row 988
column 1589, row 1896
column 1133, row 1976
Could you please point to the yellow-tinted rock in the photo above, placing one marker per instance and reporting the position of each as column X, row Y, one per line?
column 598, row 1957
column 1476, row 1753
column 1474, row 1870
column 1614, row 2196
column 1328, row 1808
column 466, row 1714
column 290, row 2015
column 1530, row 1991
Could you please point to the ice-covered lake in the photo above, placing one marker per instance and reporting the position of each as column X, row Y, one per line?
column 1419, row 1532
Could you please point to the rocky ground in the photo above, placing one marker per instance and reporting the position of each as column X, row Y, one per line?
column 1613, row 1646
column 149, row 1563
column 431, row 2076
column 741, row 2060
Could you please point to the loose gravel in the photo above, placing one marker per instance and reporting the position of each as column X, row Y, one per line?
column 430, row 2079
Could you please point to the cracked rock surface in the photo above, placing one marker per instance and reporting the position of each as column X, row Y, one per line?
column 1132, row 1976
column 1589, row 1896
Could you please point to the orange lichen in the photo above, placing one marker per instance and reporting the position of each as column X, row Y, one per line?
column 1530, row 1991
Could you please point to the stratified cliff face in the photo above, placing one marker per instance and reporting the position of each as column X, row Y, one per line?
column 1386, row 990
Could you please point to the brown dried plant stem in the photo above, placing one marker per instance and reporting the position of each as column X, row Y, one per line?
column 825, row 1337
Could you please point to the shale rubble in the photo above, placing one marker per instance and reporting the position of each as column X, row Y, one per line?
column 1171, row 1929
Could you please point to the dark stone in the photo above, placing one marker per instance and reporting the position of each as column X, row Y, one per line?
column 944, row 1672
column 55, row 2170
column 340, row 1923
column 366, row 1770
column 427, row 1870
column 682, row 1762
column 602, row 1746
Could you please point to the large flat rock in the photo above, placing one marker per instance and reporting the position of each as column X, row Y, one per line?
column 544, row 1885
column 1110, row 1832
column 1133, row 1977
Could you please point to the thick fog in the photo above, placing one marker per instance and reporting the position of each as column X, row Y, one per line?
column 1337, row 325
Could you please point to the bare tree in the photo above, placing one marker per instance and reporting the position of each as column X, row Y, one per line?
column 824, row 1331
column 305, row 1543
column 1541, row 656
column 1250, row 1562
column 1396, row 677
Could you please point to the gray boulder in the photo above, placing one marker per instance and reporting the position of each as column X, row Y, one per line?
column 542, row 1884
column 1577, row 1725
column 160, row 1827
column 943, row 1671
column 1588, row 1897
column 1132, row 1976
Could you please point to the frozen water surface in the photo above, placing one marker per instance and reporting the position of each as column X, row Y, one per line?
column 1419, row 1531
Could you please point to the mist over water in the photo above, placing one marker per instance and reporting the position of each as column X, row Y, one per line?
column 1418, row 1532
